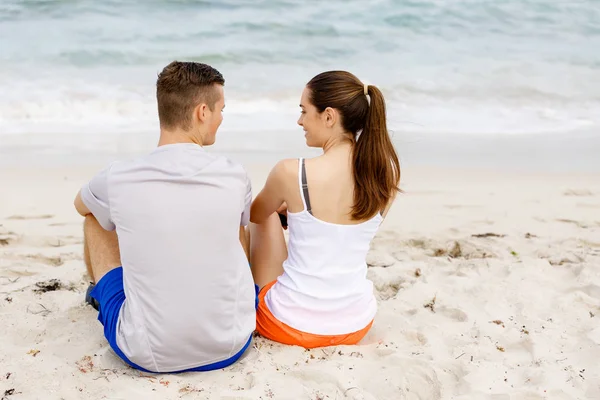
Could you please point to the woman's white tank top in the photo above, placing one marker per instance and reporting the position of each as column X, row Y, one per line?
column 324, row 289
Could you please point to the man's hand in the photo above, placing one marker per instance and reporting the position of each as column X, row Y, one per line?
column 282, row 209
column 282, row 212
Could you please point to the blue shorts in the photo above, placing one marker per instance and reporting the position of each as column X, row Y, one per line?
column 110, row 295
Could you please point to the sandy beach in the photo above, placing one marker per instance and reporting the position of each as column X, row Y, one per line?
column 487, row 268
column 488, row 286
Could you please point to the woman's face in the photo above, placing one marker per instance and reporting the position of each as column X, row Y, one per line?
column 312, row 122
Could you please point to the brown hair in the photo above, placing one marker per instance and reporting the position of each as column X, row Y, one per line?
column 376, row 166
column 180, row 87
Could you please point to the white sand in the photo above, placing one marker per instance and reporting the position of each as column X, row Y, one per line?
column 540, row 283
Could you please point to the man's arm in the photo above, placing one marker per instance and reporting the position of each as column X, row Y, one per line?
column 80, row 206
column 93, row 199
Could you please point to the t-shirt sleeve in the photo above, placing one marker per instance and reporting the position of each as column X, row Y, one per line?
column 247, row 203
column 94, row 195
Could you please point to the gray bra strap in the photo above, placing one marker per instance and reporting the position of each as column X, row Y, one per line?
column 305, row 188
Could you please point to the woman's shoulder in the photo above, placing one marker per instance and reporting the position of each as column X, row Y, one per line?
column 286, row 166
column 284, row 170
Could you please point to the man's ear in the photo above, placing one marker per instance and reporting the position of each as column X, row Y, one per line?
column 330, row 116
column 200, row 112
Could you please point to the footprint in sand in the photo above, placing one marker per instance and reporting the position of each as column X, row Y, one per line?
column 453, row 313
column 380, row 259
column 485, row 222
column 587, row 205
column 7, row 237
column 5, row 240
column 389, row 290
column 18, row 273
column 55, row 261
column 387, row 284
column 463, row 249
column 568, row 259
column 25, row 217
column 558, row 257
column 62, row 241
column 318, row 377
column 577, row 192
column 420, row 243
column 591, row 290
column 416, row 337
column 571, row 221
column 403, row 378
column 586, row 243
column 459, row 206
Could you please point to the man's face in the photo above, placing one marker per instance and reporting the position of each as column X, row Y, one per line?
column 206, row 122
column 214, row 117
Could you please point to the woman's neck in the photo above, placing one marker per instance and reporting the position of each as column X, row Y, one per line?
column 336, row 144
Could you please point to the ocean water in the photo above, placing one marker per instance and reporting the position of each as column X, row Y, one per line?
column 86, row 69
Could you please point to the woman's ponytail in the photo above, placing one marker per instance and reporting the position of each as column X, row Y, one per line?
column 376, row 165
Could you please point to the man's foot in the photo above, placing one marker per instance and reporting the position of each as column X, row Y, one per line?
column 89, row 299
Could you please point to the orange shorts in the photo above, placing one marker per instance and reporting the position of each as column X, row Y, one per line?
column 270, row 327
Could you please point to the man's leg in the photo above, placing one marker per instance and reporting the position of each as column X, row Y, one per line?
column 100, row 249
column 86, row 258
column 107, row 295
column 268, row 250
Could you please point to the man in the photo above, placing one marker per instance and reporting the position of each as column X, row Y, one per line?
column 162, row 238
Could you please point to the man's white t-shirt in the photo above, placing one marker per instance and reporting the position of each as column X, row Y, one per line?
column 190, row 297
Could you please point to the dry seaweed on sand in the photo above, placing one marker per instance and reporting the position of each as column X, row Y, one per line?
column 48, row 286
column 431, row 304
column 488, row 234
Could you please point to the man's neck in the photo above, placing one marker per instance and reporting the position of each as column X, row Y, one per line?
column 177, row 136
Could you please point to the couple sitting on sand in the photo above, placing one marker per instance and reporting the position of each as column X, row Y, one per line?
column 186, row 266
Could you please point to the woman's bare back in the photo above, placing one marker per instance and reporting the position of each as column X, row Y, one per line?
column 330, row 186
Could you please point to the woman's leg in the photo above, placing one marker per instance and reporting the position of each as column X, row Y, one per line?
column 268, row 250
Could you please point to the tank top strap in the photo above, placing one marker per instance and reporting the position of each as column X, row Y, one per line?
column 302, row 182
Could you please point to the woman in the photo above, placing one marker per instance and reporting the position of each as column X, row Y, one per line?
column 315, row 292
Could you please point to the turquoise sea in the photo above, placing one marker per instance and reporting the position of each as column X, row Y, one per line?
column 88, row 68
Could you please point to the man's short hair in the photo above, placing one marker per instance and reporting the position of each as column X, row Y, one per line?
column 180, row 87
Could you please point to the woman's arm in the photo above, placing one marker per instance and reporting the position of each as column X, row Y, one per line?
column 272, row 196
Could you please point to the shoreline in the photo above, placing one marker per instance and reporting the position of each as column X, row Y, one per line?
column 575, row 152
